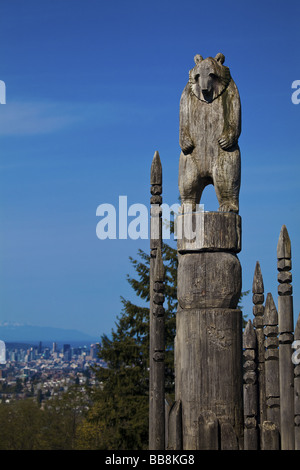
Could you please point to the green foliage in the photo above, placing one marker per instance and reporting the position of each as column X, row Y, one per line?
column 65, row 413
column 119, row 417
column 27, row 426
column 21, row 422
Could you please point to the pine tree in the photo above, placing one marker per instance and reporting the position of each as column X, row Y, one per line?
column 120, row 410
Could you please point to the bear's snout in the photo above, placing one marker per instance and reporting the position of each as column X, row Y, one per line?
column 206, row 86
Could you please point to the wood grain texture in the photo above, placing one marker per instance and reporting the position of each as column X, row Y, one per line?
column 258, row 323
column 209, row 231
column 208, row 368
column 209, row 280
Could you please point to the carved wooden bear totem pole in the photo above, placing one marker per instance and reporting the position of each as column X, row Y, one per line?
column 230, row 393
column 210, row 125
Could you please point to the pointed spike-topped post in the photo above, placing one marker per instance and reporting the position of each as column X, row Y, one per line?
column 271, row 362
column 156, row 355
column 156, row 170
column 270, row 314
column 258, row 283
column 249, row 337
column 296, row 362
column 286, row 327
column 284, row 250
column 155, row 201
column 258, row 323
column 250, row 388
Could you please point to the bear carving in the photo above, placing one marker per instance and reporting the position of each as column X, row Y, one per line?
column 210, row 125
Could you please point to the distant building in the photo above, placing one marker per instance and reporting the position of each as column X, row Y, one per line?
column 67, row 352
column 46, row 353
column 94, row 351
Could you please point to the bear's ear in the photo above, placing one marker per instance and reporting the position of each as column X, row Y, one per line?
column 220, row 58
column 198, row 58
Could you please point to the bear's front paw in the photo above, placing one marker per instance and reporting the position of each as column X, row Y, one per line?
column 226, row 141
column 188, row 150
column 187, row 146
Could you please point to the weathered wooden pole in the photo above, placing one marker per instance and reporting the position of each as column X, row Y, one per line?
column 156, row 352
column 296, row 361
column 250, row 388
column 158, row 362
column 286, row 337
column 271, row 362
column 258, row 323
column 208, row 364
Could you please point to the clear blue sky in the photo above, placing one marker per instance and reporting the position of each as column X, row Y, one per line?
column 93, row 89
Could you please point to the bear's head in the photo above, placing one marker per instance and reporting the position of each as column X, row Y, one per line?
column 209, row 78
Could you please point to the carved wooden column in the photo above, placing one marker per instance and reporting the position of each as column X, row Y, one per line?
column 296, row 360
column 258, row 323
column 272, row 362
column 208, row 352
column 250, row 388
column 208, row 364
column 156, row 352
column 158, row 355
column 286, row 328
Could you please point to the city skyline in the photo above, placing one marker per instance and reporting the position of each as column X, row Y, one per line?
column 92, row 91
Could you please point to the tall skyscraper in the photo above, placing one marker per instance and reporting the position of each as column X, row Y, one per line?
column 67, row 352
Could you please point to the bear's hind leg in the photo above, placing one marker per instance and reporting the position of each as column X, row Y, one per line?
column 226, row 179
column 190, row 184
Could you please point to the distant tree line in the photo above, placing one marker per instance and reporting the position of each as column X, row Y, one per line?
column 25, row 425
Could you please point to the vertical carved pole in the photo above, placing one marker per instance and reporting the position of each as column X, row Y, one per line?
column 156, row 408
column 208, row 373
column 208, row 364
column 286, row 327
column 271, row 362
column 258, row 322
column 296, row 361
column 250, row 389
column 158, row 360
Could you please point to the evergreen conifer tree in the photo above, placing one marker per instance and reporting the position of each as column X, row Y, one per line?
column 119, row 416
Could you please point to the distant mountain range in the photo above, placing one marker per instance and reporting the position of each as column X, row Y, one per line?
column 18, row 333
